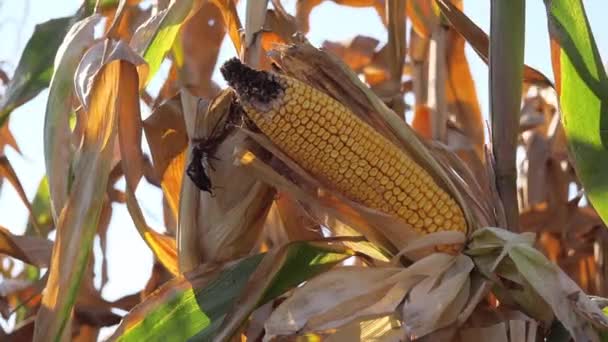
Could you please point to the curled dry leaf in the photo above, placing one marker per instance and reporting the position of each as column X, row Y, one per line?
column 57, row 135
column 92, row 62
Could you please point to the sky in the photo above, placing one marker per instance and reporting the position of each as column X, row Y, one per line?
column 129, row 258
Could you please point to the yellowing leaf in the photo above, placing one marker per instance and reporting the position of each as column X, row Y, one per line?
column 79, row 219
column 58, row 108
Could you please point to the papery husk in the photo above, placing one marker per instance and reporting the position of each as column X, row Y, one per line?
column 226, row 224
column 345, row 294
column 542, row 288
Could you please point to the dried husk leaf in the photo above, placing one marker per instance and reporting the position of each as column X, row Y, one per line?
column 337, row 215
column 342, row 295
column 224, row 225
column 261, row 282
column 288, row 221
column 567, row 301
column 437, row 301
column 385, row 329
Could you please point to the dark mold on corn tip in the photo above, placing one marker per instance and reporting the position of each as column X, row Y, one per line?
column 256, row 86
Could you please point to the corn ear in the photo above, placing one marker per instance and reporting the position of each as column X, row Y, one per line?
column 341, row 150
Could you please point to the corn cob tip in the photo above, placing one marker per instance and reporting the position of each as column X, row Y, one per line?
column 260, row 88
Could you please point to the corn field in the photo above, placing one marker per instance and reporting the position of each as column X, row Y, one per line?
column 351, row 191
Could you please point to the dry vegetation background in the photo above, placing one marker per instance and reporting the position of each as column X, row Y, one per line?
column 209, row 279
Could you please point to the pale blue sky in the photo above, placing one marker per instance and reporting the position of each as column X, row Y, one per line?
column 130, row 261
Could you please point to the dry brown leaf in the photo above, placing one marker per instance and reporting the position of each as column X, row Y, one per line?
column 7, row 172
column 129, row 132
column 461, row 94
column 195, row 66
column 296, row 223
column 163, row 247
column 169, row 218
column 125, row 19
column 480, row 42
column 231, row 21
column 357, row 54
column 18, row 293
column 7, row 139
column 345, row 294
column 423, row 16
column 421, row 122
column 32, row 250
column 166, row 135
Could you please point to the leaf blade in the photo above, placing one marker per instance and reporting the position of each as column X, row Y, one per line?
column 582, row 87
column 35, row 67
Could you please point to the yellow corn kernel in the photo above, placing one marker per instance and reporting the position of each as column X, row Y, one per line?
column 365, row 166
